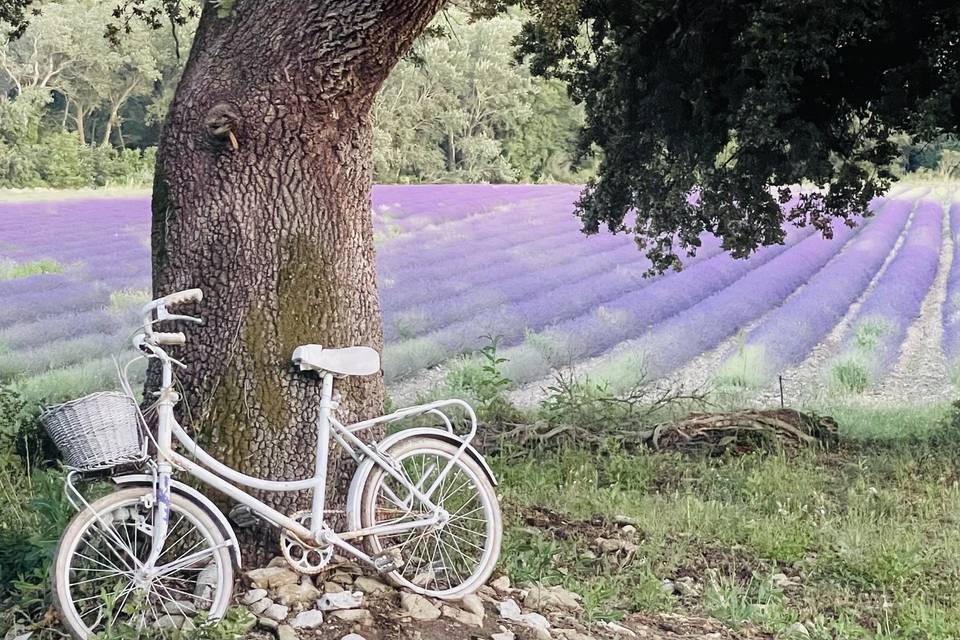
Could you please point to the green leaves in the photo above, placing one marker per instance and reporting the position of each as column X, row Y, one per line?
column 704, row 109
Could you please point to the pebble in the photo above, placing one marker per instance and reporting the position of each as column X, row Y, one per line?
column 504, row 634
column 286, row 632
column 461, row 616
column 341, row 600
column 254, row 595
column 310, row 619
column 260, row 606
column 361, row 616
column 353, row 636
column 540, row 597
column 267, row 623
column 272, row 577
column 418, row 607
column 501, row 584
column 797, row 630
column 332, row 587
column 473, row 604
column 367, row 584
column 299, row 595
column 277, row 612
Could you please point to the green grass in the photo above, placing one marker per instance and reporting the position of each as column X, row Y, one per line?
column 10, row 270
column 869, row 534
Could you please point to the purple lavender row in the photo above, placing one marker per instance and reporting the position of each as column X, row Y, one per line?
column 786, row 335
column 597, row 328
column 951, row 306
column 671, row 293
column 881, row 323
column 705, row 325
column 31, row 333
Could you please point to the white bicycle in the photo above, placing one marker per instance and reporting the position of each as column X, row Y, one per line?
column 157, row 554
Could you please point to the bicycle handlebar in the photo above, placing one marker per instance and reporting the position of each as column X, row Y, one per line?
column 159, row 306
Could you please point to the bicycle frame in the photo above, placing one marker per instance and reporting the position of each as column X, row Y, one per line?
column 221, row 477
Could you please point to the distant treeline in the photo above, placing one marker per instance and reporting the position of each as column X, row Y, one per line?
column 77, row 110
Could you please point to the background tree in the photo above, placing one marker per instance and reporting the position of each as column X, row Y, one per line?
column 733, row 100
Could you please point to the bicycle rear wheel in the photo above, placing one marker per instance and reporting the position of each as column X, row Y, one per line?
column 97, row 584
column 451, row 559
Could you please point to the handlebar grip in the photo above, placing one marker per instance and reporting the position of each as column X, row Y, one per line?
column 169, row 338
column 181, row 297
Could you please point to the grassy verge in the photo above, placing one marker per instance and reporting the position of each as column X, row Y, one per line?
column 856, row 543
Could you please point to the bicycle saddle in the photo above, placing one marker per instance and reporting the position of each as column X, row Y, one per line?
column 351, row 361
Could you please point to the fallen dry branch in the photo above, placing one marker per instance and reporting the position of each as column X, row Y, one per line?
column 728, row 432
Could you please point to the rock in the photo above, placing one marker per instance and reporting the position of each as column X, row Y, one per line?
column 309, row 619
column 621, row 521
column 361, row 616
column 473, row 604
column 510, row 610
column 505, row 634
column 540, row 597
column 782, row 581
column 260, row 606
column 687, row 586
column 628, row 530
column 254, row 595
column 286, row 632
column 272, row 577
column 267, row 623
column 461, row 616
column 342, row 578
column 571, row 634
column 501, row 584
column 797, row 630
column 619, row 629
column 277, row 612
column 418, row 607
column 370, row 585
column 667, row 586
column 341, row 600
column 170, row 622
column 277, row 561
column 614, row 545
column 300, row 596
column 353, row 636
column 332, row 587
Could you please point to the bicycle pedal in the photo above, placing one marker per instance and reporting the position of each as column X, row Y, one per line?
column 387, row 561
column 243, row 516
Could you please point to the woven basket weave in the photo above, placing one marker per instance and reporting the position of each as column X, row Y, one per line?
column 98, row 431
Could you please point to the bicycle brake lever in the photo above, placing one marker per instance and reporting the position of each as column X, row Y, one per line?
column 174, row 316
column 178, row 363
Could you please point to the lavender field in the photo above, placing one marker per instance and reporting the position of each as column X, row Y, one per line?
column 460, row 263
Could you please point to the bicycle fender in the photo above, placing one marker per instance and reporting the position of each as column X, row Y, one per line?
column 365, row 467
column 143, row 479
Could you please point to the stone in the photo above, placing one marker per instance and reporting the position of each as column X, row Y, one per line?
column 510, row 610
column 268, row 624
column 342, row 578
column 667, row 586
column 614, row 545
column 628, row 530
column 300, row 596
column 277, row 561
column 461, row 616
column 340, row 600
column 170, row 622
column 687, row 586
column 272, row 577
column 619, row 629
column 286, row 632
column 260, row 606
column 332, row 587
column 254, row 595
column 360, row 616
column 353, row 636
column 621, row 521
column 277, row 612
column 504, row 634
column 571, row 634
column 797, row 630
column 309, row 619
column 473, row 604
column 501, row 584
column 370, row 585
column 782, row 581
column 541, row 597
column 418, row 607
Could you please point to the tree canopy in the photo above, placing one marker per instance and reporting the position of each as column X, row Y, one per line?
column 706, row 110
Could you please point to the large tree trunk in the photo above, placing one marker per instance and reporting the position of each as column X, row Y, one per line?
column 262, row 199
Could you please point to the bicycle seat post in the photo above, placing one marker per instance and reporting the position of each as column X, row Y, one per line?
column 323, row 451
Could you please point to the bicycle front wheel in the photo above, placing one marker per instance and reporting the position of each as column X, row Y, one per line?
column 448, row 560
column 98, row 580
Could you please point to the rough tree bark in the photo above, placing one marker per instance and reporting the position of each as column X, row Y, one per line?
column 262, row 199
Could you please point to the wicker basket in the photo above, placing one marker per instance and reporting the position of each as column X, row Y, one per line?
column 98, row 431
